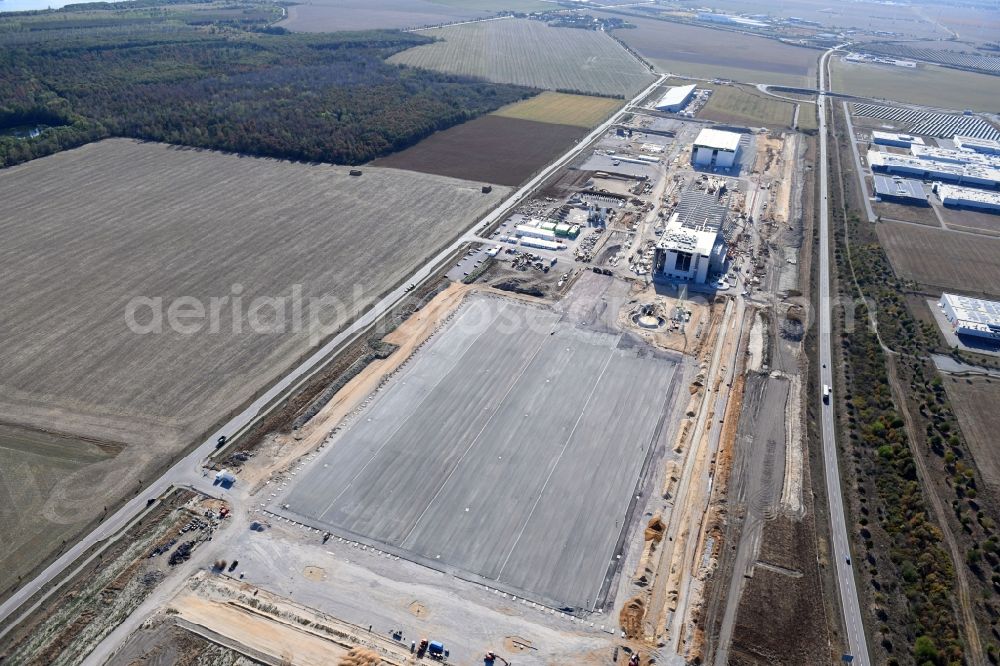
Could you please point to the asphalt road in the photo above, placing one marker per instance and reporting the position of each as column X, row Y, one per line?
column 188, row 469
column 856, row 641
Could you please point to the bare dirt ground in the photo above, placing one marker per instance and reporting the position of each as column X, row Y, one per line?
column 257, row 631
column 517, row 148
column 167, row 642
column 940, row 258
column 975, row 401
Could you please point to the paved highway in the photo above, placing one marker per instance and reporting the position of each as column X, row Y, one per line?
column 187, row 471
column 856, row 641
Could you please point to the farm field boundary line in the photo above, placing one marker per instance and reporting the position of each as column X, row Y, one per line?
column 189, row 465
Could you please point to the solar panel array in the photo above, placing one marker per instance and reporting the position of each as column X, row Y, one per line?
column 942, row 125
column 989, row 64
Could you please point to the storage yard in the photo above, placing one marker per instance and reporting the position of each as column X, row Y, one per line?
column 261, row 228
column 530, row 53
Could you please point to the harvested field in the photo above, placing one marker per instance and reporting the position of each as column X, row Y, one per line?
column 743, row 106
column 117, row 220
column 943, row 259
column 491, row 148
column 965, row 219
column 916, row 214
column 705, row 52
column 926, row 84
column 478, row 456
column 334, row 15
column 94, row 601
column 532, row 54
column 562, row 109
column 975, row 401
column 32, row 464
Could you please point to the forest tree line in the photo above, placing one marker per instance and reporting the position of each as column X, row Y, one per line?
column 213, row 81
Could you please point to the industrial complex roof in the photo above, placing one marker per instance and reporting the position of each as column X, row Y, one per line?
column 955, row 156
column 976, row 144
column 718, row 139
column 675, row 96
column 906, row 188
column 878, row 136
column 974, row 313
column 956, row 195
column 930, row 169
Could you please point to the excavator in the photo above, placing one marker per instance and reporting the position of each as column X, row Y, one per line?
column 492, row 658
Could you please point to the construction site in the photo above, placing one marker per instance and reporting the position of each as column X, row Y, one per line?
column 539, row 457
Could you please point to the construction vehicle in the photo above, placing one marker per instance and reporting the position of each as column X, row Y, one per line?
column 492, row 658
column 433, row 649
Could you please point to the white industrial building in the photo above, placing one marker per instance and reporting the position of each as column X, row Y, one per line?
column 675, row 99
column 541, row 243
column 985, row 146
column 894, row 139
column 715, row 149
column 972, row 316
column 975, row 175
column 949, row 156
column 967, row 197
column 692, row 246
column 530, row 231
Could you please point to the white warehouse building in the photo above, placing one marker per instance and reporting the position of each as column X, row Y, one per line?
column 715, row 149
column 976, row 145
column 675, row 99
column 967, row 197
column 972, row 316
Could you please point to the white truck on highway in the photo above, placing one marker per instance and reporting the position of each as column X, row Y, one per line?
column 826, row 393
